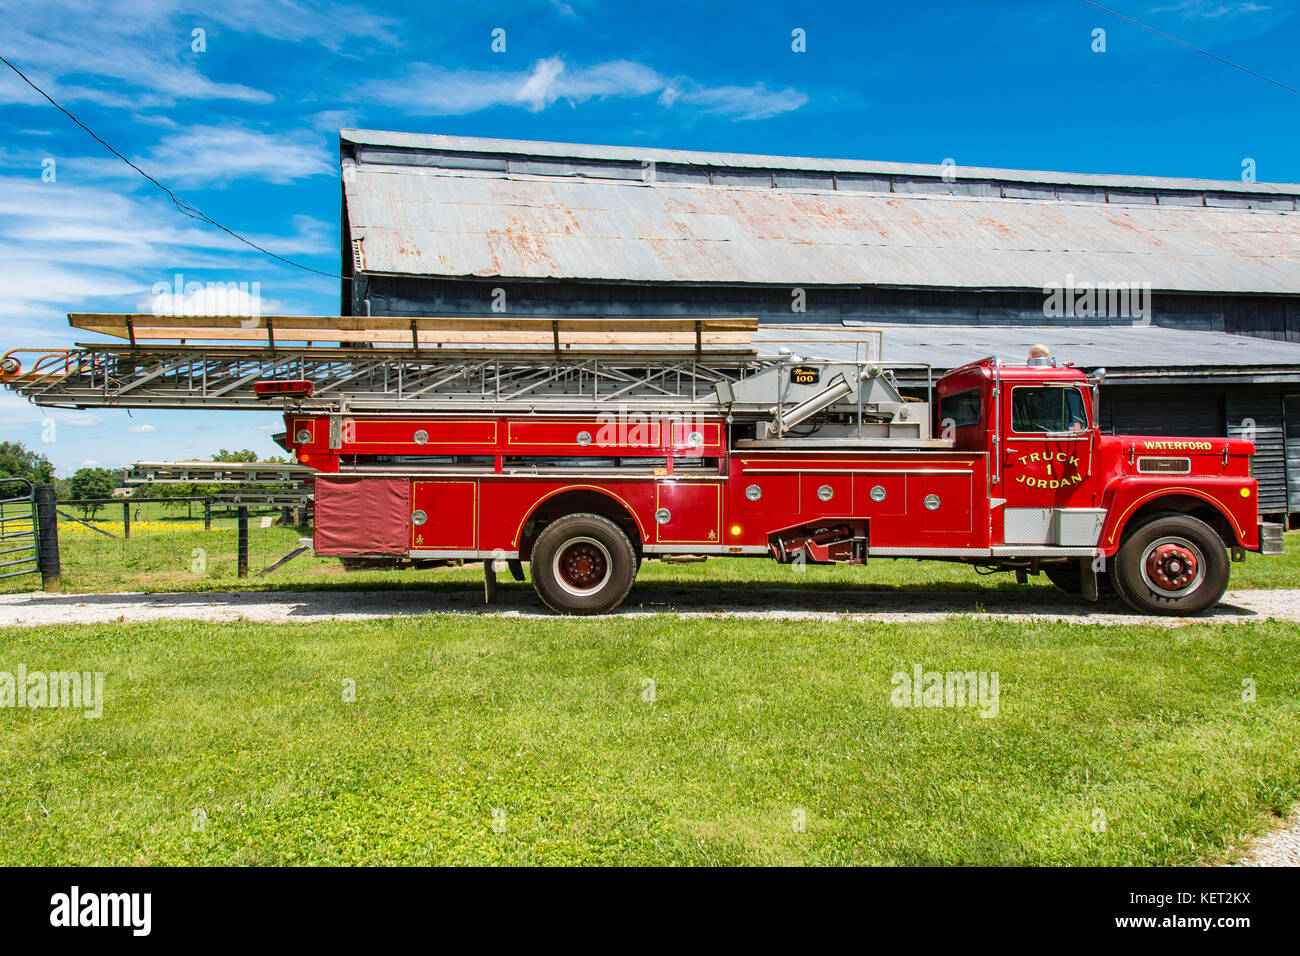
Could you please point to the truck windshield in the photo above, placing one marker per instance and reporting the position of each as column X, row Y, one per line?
column 1047, row 409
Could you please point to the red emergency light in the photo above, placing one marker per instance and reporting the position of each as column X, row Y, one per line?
column 285, row 388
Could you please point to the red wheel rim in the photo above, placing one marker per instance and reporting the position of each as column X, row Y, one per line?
column 1173, row 566
column 581, row 566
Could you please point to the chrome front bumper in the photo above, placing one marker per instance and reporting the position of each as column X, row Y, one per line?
column 1270, row 537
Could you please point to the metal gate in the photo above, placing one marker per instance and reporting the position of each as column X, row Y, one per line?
column 18, row 541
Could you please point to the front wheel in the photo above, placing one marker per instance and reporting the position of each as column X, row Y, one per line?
column 583, row 564
column 1175, row 565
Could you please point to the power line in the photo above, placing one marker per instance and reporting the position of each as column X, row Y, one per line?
column 181, row 205
column 1212, row 56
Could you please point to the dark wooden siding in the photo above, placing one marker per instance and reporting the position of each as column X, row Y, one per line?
column 1292, row 414
column 1258, row 410
column 1270, row 317
column 1135, row 410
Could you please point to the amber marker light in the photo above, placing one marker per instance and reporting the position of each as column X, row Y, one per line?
column 735, row 530
column 1245, row 492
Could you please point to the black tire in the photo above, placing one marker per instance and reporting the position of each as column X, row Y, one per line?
column 582, row 564
column 1066, row 577
column 1172, row 565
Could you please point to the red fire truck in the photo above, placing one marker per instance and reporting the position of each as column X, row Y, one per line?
column 584, row 448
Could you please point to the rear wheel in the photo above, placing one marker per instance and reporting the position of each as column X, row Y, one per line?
column 1175, row 565
column 583, row 564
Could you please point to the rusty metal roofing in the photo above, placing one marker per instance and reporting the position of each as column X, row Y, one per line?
column 461, row 207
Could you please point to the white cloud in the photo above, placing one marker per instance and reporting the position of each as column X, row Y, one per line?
column 17, row 413
column 332, row 25
column 440, row 91
column 86, row 248
column 129, row 63
column 140, row 429
column 137, row 53
column 1212, row 10
column 211, row 155
column 742, row 102
column 209, row 298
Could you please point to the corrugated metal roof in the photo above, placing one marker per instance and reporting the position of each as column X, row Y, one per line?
column 435, row 143
column 493, row 221
column 1126, row 352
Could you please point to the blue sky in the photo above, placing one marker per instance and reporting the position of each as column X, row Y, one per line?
column 246, row 129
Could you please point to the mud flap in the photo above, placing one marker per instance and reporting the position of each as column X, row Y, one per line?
column 516, row 569
column 1087, row 580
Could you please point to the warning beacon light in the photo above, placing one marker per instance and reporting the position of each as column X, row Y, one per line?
column 1039, row 355
column 284, row 388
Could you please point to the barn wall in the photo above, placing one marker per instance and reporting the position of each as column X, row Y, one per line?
column 1291, row 415
column 1256, row 413
column 1267, row 317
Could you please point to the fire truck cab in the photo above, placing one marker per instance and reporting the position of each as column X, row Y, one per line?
column 1160, row 516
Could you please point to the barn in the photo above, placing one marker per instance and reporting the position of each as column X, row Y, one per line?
column 1186, row 291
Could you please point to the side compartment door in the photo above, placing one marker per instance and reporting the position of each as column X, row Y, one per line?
column 444, row 515
column 944, row 502
column 688, row 512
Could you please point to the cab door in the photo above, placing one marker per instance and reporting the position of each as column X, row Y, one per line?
column 1050, row 438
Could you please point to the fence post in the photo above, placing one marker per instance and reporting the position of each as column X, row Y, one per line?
column 285, row 516
column 47, row 553
column 207, row 513
column 243, row 541
column 126, row 519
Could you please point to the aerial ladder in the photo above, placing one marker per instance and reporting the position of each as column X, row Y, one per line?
column 346, row 365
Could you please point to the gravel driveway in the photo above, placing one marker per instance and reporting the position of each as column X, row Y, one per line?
column 791, row 604
column 1279, row 848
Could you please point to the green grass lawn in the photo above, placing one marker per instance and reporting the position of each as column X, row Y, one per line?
column 752, row 723
column 164, row 555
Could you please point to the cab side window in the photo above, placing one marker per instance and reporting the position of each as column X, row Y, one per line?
column 961, row 408
column 1036, row 409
